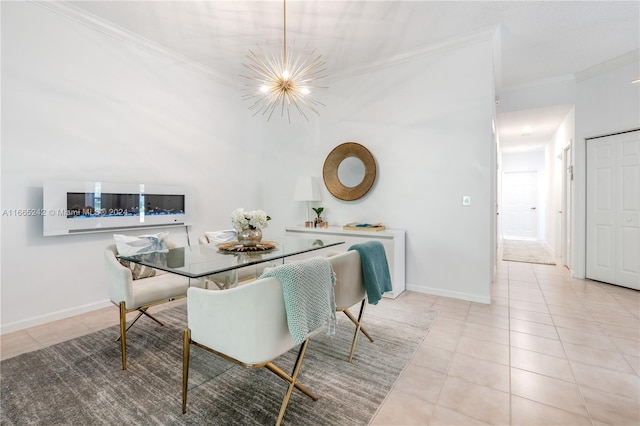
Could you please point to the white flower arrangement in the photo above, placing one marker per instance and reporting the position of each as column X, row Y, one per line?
column 256, row 219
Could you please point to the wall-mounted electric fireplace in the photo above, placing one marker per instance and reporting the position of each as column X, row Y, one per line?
column 71, row 207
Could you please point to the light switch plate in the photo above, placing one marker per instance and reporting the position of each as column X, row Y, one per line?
column 466, row 200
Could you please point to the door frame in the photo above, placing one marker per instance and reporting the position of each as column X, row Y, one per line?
column 567, row 194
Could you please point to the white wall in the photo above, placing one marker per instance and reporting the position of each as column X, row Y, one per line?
column 553, row 164
column 79, row 104
column 428, row 124
column 523, row 161
column 606, row 103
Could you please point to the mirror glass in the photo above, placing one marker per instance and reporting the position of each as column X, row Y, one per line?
column 351, row 172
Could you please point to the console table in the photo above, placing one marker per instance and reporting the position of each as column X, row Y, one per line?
column 391, row 239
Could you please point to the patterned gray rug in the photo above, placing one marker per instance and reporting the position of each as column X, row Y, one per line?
column 80, row 382
column 525, row 251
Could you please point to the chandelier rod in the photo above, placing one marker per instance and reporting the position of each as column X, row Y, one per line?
column 284, row 52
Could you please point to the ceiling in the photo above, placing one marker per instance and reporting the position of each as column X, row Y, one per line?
column 540, row 40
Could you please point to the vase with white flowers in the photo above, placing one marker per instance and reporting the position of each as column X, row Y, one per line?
column 249, row 225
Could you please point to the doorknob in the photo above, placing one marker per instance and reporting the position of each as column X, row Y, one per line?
column 533, row 208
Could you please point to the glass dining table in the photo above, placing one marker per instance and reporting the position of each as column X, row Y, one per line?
column 206, row 260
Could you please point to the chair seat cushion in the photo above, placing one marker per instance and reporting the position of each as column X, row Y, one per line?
column 154, row 289
column 140, row 271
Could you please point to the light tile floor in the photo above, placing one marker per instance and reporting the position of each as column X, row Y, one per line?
column 548, row 350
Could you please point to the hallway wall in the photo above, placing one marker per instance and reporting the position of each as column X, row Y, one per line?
column 563, row 137
column 606, row 102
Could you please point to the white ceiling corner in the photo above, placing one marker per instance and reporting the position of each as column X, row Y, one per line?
column 537, row 40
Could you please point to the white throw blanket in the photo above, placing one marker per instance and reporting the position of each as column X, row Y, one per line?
column 309, row 297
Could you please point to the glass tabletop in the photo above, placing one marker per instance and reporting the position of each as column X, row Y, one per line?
column 207, row 259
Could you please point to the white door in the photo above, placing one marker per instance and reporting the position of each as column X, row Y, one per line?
column 519, row 211
column 613, row 209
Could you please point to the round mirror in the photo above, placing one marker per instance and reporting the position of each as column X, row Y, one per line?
column 349, row 171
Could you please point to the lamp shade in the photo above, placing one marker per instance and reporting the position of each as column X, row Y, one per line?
column 307, row 189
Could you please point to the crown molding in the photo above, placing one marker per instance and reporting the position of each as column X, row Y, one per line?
column 497, row 58
column 69, row 11
column 453, row 43
column 617, row 62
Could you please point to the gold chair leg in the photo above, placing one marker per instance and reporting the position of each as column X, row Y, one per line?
column 140, row 313
column 356, row 333
column 294, row 377
column 186, row 347
column 358, row 320
column 132, row 322
column 123, row 334
column 359, row 328
column 277, row 370
column 144, row 311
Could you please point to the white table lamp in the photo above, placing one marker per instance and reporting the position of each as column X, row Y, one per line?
column 307, row 189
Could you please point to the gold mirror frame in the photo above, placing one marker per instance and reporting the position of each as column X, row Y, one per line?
column 330, row 171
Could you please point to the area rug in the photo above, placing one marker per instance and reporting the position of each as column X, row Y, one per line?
column 81, row 382
column 525, row 251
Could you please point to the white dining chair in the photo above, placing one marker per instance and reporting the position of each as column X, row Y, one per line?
column 216, row 237
column 223, row 280
column 247, row 325
column 139, row 295
column 350, row 290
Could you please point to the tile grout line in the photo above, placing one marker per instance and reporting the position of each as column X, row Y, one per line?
column 584, row 401
column 446, row 373
column 510, row 360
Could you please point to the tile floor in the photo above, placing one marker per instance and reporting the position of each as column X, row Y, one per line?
column 548, row 350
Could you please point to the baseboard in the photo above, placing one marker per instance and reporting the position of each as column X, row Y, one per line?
column 548, row 248
column 448, row 293
column 54, row 316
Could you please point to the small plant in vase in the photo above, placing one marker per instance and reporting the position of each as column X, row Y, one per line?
column 318, row 211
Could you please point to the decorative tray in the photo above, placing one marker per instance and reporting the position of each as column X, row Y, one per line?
column 234, row 246
column 363, row 227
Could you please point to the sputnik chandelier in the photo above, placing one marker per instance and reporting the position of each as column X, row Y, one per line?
column 282, row 80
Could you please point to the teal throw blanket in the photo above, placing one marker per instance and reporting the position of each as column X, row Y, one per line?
column 375, row 269
column 309, row 297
